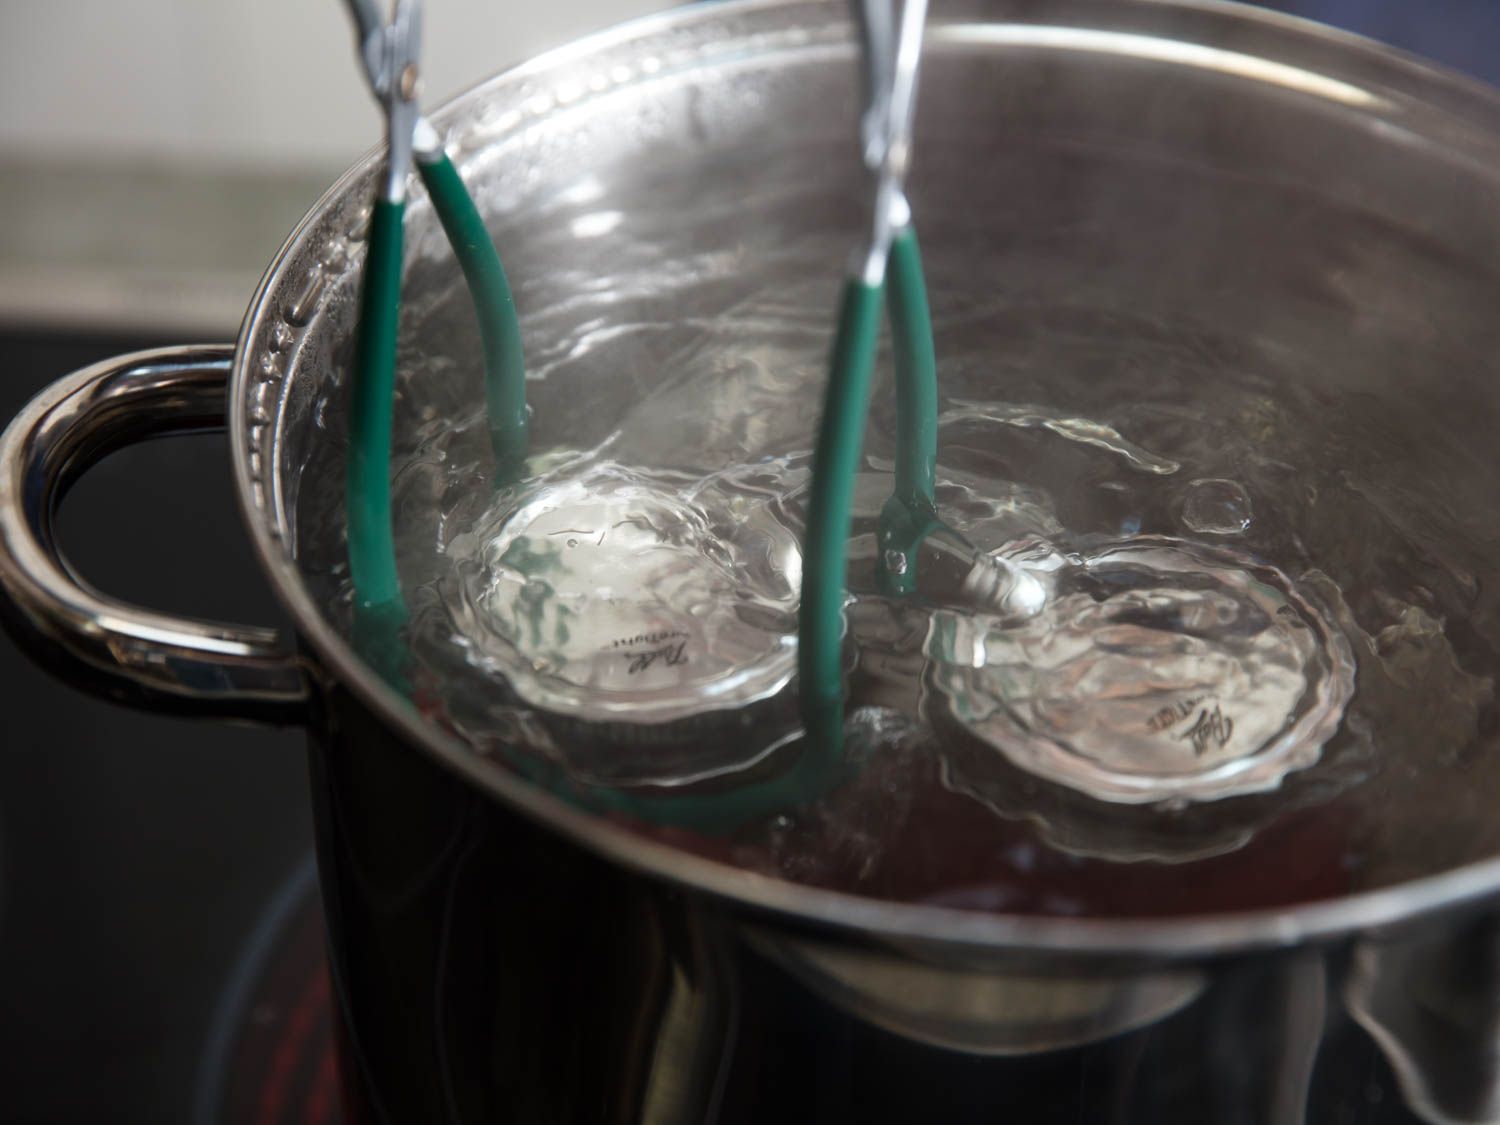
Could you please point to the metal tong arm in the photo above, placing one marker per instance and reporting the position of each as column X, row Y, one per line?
column 389, row 53
column 892, row 54
column 890, row 71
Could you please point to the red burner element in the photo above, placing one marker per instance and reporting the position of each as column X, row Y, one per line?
column 282, row 1069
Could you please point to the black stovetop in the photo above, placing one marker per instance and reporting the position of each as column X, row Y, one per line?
column 157, row 907
column 136, row 852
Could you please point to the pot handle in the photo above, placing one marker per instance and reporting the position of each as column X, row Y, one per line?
column 131, row 655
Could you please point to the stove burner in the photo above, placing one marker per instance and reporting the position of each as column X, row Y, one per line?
column 270, row 1057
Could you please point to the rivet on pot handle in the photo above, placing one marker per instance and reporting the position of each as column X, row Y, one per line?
column 128, row 654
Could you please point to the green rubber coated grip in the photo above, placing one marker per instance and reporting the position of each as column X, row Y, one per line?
column 379, row 637
column 372, row 548
column 910, row 514
column 916, row 372
column 494, row 306
column 824, row 562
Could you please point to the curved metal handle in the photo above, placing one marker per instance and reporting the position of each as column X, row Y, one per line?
column 116, row 650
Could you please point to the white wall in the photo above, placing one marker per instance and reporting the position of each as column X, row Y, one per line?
column 266, row 83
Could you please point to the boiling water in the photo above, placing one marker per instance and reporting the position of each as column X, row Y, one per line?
column 1209, row 627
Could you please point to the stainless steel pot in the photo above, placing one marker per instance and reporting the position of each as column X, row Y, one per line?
column 500, row 955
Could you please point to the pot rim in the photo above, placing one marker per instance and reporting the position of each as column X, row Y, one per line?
column 1169, row 938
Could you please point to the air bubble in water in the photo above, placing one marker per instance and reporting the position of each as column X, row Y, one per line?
column 1215, row 506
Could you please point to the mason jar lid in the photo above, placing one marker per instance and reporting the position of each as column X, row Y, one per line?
column 1159, row 671
column 635, row 612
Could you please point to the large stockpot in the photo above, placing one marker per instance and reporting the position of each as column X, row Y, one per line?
column 500, row 955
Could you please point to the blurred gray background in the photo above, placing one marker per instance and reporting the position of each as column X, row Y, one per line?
column 154, row 153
